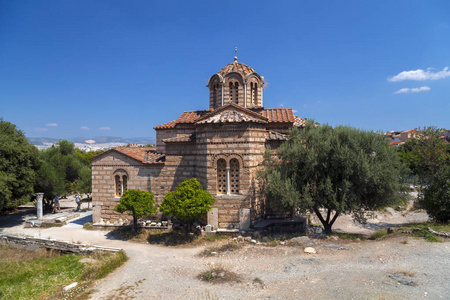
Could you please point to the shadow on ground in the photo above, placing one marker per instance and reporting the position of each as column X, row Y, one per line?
column 17, row 217
column 154, row 237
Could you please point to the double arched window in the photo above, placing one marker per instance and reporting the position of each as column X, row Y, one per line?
column 228, row 177
column 254, row 93
column 120, row 183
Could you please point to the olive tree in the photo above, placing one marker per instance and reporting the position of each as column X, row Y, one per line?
column 139, row 203
column 332, row 171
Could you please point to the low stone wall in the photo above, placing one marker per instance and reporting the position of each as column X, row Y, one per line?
column 36, row 243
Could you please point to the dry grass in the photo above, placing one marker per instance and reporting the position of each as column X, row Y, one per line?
column 218, row 274
column 227, row 247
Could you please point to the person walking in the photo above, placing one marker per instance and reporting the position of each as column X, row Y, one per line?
column 56, row 206
column 78, row 201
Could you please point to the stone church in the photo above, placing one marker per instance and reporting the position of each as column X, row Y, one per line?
column 221, row 146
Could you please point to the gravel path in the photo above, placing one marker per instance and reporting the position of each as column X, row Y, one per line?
column 395, row 268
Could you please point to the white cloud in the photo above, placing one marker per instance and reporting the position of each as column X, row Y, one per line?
column 295, row 111
column 52, row 125
column 413, row 90
column 84, row 128
column 40, row 129
column 105, row 128
column 420, row 75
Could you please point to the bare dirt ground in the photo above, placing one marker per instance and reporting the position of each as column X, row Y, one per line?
column 400, row 267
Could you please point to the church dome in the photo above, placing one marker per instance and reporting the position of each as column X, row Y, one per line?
column 236, row 67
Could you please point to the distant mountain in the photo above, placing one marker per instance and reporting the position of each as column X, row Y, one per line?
column 94, row 140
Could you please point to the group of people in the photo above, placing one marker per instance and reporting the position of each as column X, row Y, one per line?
column 57, row 206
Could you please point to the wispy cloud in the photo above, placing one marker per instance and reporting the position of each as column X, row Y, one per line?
column 40, row 129
column 413, row 90
column 84, row 128
column 420, row 75
column 105, row 128
column 52, row 125
column 295, row 111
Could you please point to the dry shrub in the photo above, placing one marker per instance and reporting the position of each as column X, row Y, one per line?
column 218, row 274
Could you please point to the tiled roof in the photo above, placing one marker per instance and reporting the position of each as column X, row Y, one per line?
column 181, row 138
column 186, row 117
column 236, row 67
column 299, row 122
column 279, row 115
column 146, row 155
column 274, row 115
column 230, row 113
column 395, row 143
column 273, row 135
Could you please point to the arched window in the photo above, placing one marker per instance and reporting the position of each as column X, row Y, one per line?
column 120, row 183
column 234, row 92
column 217, row 96
column 234, row 176
column 221, row 177
column 254, row 89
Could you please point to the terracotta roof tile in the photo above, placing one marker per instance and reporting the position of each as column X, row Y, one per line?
column 279, row 115
column 236, row 67
column 273, row 135
column 186, row 118
column 146, row 155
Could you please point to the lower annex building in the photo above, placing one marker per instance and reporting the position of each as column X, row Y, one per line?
column 222, row 147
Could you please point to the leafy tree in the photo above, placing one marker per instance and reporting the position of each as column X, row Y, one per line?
column 334, row 170
column 62, row 172
column 19, row 161
column 428, row 155
column 139, row 203
column 187, row 202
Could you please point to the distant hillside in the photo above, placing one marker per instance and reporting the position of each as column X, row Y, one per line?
column 96, row 140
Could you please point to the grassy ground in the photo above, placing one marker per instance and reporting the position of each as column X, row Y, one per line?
column 417, row 230
column 41, row 274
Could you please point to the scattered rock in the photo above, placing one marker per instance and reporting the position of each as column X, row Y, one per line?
column 310, row 250
column 301, row 240
column 70, row 286
column 311, row 261
column 290, row 268
column 253, row 241
column 403, row 279
column 335, row 247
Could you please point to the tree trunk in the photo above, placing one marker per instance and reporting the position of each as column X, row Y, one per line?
column 135, row 225
column 327, row 224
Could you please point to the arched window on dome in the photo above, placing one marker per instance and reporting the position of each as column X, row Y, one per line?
column 234, row 92
column 218, row 96
column 254, row 93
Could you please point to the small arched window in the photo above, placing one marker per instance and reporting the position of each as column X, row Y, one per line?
column 120, row 183
column 221, row 177
column 234, row 92
column 254, row 90
column 234, row 176
column 217, row 96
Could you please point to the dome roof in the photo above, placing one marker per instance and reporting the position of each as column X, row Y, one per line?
column 237, row 67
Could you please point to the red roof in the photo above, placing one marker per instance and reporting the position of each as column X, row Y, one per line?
column 274, row 115
column 283, row 115
column 186, row 118
column 394, row 143
column 146, row 155
column 236, row 67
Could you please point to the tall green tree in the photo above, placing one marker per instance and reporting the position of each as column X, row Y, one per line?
column 139, row 203
column 19, row 161
column 332, row 171
column 62, row 172
column 428, row 155
column 187, row 202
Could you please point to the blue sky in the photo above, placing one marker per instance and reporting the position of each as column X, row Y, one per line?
column 119, row 68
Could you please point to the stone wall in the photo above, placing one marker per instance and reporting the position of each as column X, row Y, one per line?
column 140, row 176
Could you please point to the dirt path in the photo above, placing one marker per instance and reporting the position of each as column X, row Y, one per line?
column 395, row 268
